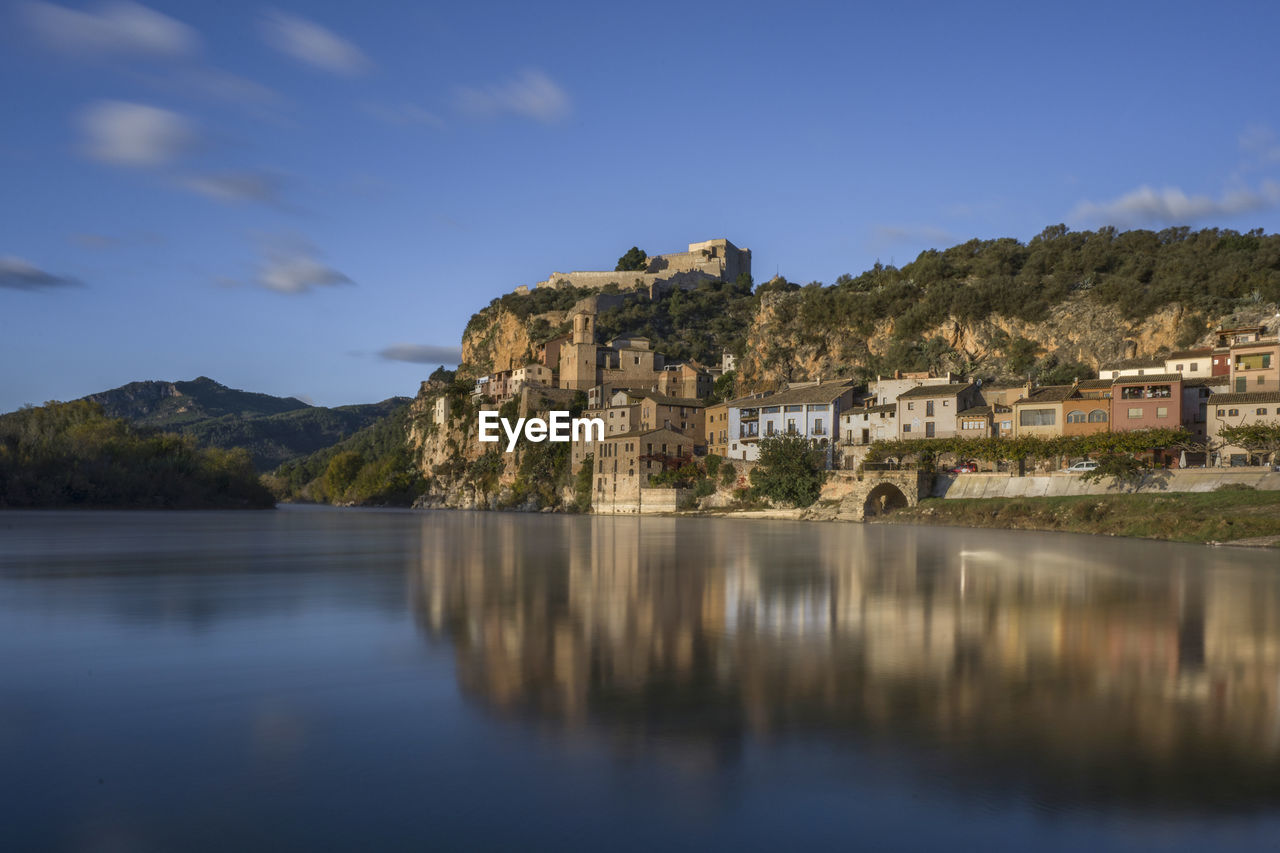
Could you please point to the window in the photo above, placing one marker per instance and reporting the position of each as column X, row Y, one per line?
column 1037, row 417
column 1231, row 413
column 770, row 410
column 794, row 408
column 1075, row 417
column 911, row 407
column 1135, row 413
column 928, row 409
column 1162, row 412
column 817, row 426
column 1194, row 366
column 768, row 428
column 1098, row 416
column 791, row 426
column 818, row 407
column 1178, row 368
column 946, row 402
column 928, row 429
column 906, row 427
column 1261, row 411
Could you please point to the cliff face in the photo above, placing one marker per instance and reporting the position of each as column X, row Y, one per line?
column 781, row 349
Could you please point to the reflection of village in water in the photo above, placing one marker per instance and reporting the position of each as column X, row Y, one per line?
column 1043, row 663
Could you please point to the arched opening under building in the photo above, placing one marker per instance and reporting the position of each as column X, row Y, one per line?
column 882, row 499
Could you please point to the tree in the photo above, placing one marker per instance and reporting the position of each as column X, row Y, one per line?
column 342, row 472
column 635, row 260
column 582, row 485
column 1124, row 468
column 789, row 471
column 1255, row 438
column 723, row 388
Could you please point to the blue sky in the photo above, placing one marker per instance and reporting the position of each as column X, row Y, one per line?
column 280, row 197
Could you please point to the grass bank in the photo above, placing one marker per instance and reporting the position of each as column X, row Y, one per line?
column 1223, row 516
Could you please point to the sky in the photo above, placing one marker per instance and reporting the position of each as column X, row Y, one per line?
column 311, row 199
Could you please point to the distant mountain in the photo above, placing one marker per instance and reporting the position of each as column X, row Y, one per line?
column 272, row 429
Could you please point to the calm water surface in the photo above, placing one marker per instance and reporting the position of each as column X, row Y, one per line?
column 319, row 679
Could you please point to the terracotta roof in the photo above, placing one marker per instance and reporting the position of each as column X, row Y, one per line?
column 1048, row 394
column 1200, row 352
column 935, row 390
column 1150, row 377
column 1246, row 397
column 1094, row 384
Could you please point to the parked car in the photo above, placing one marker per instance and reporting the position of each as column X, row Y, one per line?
column 965, row 468
column 1082, row 466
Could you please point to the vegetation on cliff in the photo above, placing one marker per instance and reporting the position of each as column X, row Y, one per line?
column 73, row 455
column 373, row 467
column 887, row 318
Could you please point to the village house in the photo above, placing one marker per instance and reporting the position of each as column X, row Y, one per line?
column 625, row 462
column 1191, row 363
column 685, row 415
column 1232, row 409
column 685, row 380
column 1255, row 366
column 530, row 374
column 1153, row 401
column 862, row 425
column 1040, row 413
column 1132, row 367
column 1196, row 394
column 929, row 411
column 886, row 389
column 985, row 422
column 810, row 409
column 717, row 429
column 1088, row 409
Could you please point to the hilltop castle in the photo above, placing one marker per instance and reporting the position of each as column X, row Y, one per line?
column 709, row 260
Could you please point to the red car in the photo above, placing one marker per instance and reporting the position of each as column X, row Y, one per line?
column 965, row 468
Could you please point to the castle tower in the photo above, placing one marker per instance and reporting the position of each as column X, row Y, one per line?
column 578, row 358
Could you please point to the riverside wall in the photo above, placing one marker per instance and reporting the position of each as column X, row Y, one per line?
column 1061, row 484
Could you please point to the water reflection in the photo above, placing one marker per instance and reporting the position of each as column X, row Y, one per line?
column 1074, row 671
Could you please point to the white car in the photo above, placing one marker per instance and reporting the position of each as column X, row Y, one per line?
column 1082, row 466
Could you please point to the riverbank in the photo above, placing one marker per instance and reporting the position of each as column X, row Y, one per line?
column 1212, row 517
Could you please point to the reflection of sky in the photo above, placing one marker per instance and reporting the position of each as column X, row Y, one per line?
column 722, row 682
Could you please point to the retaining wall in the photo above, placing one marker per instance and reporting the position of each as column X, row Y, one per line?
column 1060, row 484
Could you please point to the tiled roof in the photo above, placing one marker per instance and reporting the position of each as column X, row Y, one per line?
column 641, row 433
column 1198, row 381
column 871, row 410
column 1094, row 384
column 1200, row 352
column 1130, row 363
column 974, row 412
column 935, row 390
column 1150, row 377
column 822, row 393
column 1246, row 397
column 671, row 401
column 1048, row 394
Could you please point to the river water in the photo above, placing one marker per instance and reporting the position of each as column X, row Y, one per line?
column 319, row 679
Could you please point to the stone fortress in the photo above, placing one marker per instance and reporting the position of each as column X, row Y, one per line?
column 709, row 260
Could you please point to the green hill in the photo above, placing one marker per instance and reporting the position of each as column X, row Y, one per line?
column 272, row 429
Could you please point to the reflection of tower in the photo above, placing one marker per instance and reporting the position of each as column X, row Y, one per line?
column 578, row 357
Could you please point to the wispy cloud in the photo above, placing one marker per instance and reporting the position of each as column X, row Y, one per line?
column 258, row 187
column 114, row 29
column 421, row 354
column 17, row 274
column 1170, row 205
column 294, row 267
column 312, row 44
column 127, row 134
column 1260, row 145
column 405, row 115
column 531, row 94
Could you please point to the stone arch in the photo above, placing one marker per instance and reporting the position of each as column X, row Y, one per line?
column 884, row 497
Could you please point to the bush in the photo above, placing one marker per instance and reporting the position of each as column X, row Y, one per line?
column 790, row 470
column 1235, row 487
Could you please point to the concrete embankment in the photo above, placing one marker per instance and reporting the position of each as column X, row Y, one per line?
column 1061, row 484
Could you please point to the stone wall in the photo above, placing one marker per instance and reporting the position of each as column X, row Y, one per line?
column 1060, row 484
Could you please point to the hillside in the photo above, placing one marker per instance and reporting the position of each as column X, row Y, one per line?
column 272, row 429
